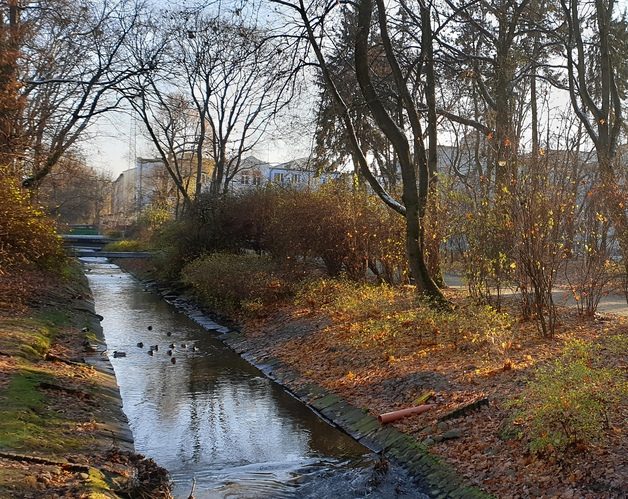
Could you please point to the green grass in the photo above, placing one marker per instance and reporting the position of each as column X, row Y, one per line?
column 126, row 245
column 25, row 424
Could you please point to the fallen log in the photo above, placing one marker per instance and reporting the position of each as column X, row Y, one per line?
column 465, row 409
column 424, row 397
column 78, row 468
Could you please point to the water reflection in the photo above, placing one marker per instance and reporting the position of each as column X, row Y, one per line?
column 212, row 415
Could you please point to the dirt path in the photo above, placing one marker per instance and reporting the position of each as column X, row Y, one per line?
column 611, row 303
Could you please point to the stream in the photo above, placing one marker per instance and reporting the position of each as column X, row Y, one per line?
column 214, row 418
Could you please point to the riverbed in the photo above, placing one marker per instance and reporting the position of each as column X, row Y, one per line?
column 209, row 417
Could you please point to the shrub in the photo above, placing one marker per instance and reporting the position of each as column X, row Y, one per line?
column 481, row 233
column 229, row 283
column 27, row 236
column 342, row 228
column 569, row 401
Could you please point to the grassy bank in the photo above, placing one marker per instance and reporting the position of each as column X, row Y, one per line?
column 61, row 423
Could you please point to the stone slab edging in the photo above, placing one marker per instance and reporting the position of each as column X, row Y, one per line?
column 438, row 479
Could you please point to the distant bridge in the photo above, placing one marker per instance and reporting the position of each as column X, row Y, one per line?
column 88, row 245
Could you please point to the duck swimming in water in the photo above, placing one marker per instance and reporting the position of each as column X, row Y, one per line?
column 140, row 344
column 173, row 360
column 169, row 352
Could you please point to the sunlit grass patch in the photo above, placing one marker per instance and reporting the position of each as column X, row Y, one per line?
column 25, row 423
column 24, row 337
column 126, row 245
column 395, row 318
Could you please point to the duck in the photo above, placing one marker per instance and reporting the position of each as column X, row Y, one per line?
column 151, row 352
column 150, row 328
column 140, row 345
column 168, row 333
column 172, row 345
column 195, row 349
column 173, row 360
column 169, row 352
column 117, row 354
column 184, row 345
column 155, row 347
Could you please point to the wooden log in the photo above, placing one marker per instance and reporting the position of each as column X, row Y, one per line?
column 79, row 468
column 465, row 409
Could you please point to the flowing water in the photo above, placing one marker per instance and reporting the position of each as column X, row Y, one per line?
column 212, row 417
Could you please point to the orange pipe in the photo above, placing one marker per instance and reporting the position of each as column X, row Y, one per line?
column 389, row 417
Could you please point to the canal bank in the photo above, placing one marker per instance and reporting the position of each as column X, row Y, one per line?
column 62, row 429
column 211, row 418
column 437, row 479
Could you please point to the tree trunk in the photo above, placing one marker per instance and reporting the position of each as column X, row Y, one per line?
column 414, row 197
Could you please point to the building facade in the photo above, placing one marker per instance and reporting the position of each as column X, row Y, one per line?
column 296, row 174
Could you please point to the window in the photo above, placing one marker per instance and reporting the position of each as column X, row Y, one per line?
column 257, row 179
column 278, row 177
column 296, row 178
column 245, row 179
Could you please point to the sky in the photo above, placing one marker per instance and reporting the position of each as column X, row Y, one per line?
column 115, row 140
column 111, row 143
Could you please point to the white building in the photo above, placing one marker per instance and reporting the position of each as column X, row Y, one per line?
column 135, row 188
column 298, row 174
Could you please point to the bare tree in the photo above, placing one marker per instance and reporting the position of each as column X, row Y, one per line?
column 484, row 44
column 235, row 76
column 73, row 61
column 595, row 44
column 74, row 193
column 225, row 73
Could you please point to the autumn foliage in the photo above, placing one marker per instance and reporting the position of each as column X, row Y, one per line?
column 29, row 244
column 28, row 237
column 342, row 229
